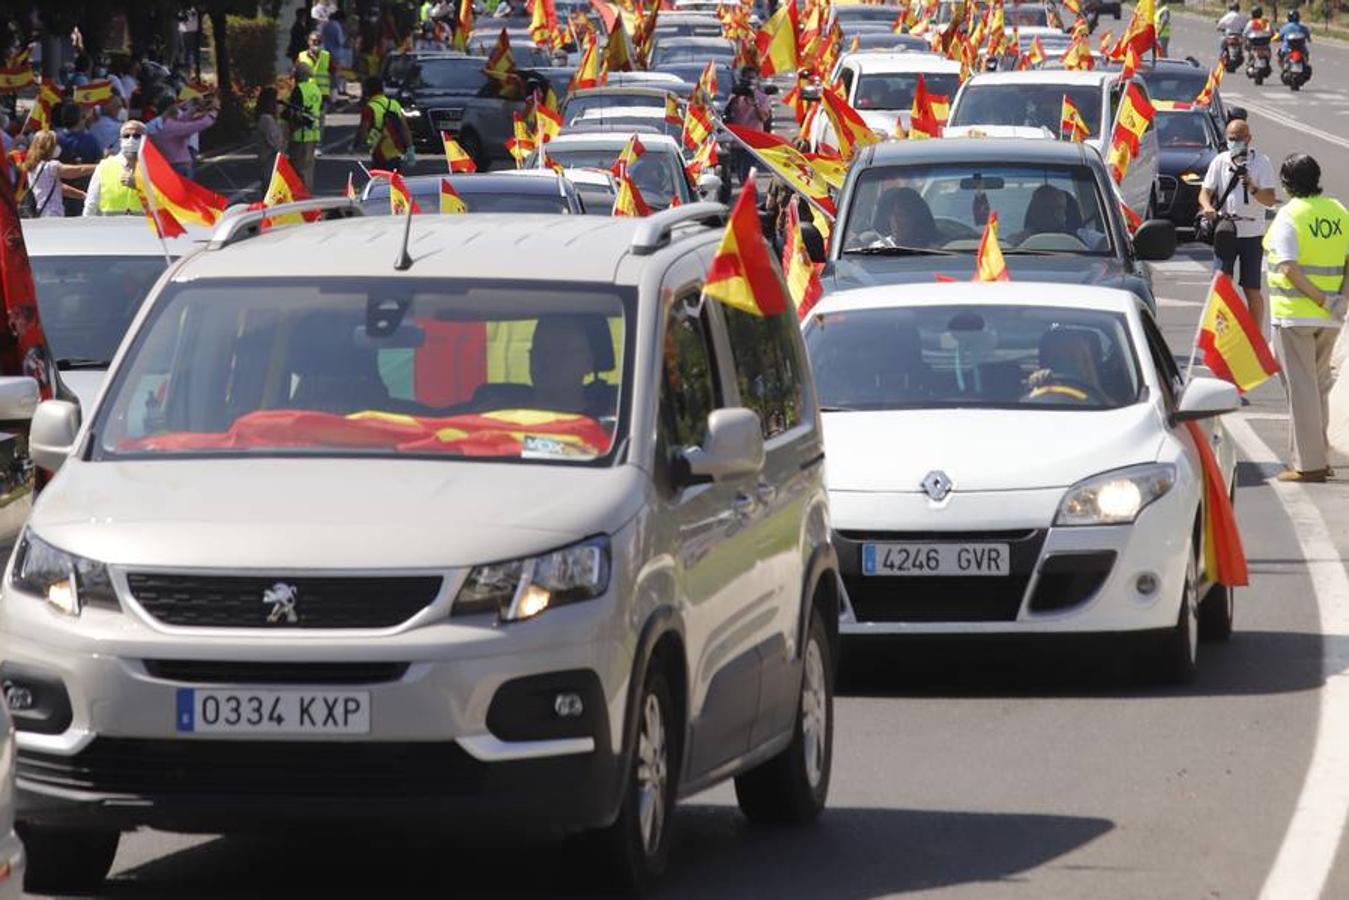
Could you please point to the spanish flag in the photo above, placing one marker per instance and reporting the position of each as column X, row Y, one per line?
column 923, row 121
column 173, row 199
column 988, row 262
column 587, row 74
column 1133, row 118
column 850, row 131
column 1131, row 219
column 1071, row 124
column 803, row 275
column 1224, row 557
column 697, row 124
column 500, row 62
column 705, row 157
column 400, row 198
column 707, row 83
column 95, row 93
column 522, row 144
column 742, row 274
column 1078, row 56
column 543, row 23
column 1105, row 43
column 450, row 201
column 1036, row 55
column 672, row 114
column 40, row 116
column 464, row 27
column 1230, row 338
column 832, row 167
column 286, row 186
column 1141, row 34
column 455, row 157
column 787, row 163
column 629, row 201
column 618, row 53
column 548, row 122
column 1215, row 79
column 1131, row 64
column 14, row 78
column 632, row 151
column 776, row 41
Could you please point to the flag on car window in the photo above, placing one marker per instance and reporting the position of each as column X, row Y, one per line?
column 697, row 123
column 1134, row 117
column 618, row 53
column 1071, row 124
column 629, row 201
column 988, row 262
column 632, row 151
column 450, row 201
column 1230, row 338
column 803, row 275
column 742, row 274
column 1211, row 84
column 704, row 158
column 400, row 198
column 455, row 157
column 923, row 121
column 587, row 73
column 672, row 114
column 286, row 186
column 522, row 144
column 851, row 132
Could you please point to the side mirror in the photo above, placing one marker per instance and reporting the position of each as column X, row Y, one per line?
column 734, row 446
column 18, row 398
column 51, row 438
column 1205, row 398
column 1155, row 240
column 709, row 185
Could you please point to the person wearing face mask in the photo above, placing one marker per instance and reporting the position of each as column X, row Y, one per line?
column 1242, row 183
column 47, row 176
column 112, row 190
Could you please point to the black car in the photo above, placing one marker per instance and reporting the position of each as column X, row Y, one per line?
column 1175, row 80
column 1188, row 141
column 912, row 210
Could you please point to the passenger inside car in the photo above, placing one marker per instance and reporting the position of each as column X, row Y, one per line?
column 1068, row 368
column 906, row 220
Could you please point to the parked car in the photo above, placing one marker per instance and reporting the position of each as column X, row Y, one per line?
column 1059, row 216
column 506, row 534
column 507, row 191
column 1056, row 491
column 1189, row 140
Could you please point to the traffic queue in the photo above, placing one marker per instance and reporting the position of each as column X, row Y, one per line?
column 539, row 490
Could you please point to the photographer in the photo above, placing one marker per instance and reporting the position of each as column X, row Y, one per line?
column 1243, row 183
column 748, row 107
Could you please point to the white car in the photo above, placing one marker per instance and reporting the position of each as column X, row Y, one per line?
column 880, row 87
column 658, row 172
column 1035, row 98
column 1011, row 459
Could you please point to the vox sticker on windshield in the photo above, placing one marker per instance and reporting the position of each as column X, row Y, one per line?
column 537, row 446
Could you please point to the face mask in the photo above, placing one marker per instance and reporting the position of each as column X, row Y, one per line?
column 1237, row 147
column 130, row 146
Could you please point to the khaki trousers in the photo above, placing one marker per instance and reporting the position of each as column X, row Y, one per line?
column 1304, row 355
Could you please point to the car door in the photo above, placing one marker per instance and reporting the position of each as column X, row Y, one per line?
column 710, row 539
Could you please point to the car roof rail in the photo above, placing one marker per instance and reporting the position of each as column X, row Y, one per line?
column 654, row 230
column 240, row 226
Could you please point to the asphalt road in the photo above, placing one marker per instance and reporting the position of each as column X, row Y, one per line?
column 973, row 775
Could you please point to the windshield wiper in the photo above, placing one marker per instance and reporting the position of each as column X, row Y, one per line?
column 899, row 251
column 70, row 363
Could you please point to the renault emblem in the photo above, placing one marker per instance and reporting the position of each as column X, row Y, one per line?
column 936, row 485
column 281, row 597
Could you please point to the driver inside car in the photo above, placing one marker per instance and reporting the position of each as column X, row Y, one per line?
column 1068, row 371
column 905, row 220
column 1053, row 211
column 560, row 359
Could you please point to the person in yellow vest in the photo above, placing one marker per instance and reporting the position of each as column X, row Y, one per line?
column 1306, row 260
column 304, row 112
column 320, row 64
column 1161, row 24
column 384, row 131
column 112, row 189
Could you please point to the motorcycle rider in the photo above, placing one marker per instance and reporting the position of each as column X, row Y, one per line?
column 1232, row 22
column 1258, row 35
column 1291, row 30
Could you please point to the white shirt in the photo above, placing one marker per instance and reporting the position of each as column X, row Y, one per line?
column 1233, row 21
column 46, row 186
column 1242, row 203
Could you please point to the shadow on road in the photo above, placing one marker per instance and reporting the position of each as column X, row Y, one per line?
column 850, row 853
column 1252, row 662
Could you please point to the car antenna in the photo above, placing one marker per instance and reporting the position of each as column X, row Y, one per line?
column 404, row 260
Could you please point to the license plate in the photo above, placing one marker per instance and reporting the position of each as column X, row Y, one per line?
column 936, row 559
column 273, row 712
column 1296, row 67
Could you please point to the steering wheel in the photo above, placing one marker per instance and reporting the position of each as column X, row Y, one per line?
column 1093, row 394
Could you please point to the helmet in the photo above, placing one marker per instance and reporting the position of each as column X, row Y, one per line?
column 1294, row 16
column 1301, row 175
column 1257, row 12
column 1234, row 6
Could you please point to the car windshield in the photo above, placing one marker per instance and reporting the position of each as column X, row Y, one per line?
column 894, row 90
column 1032, row 105
column 497, row 200
column 695, row 53
column 691, row 72
column 658, row 176
column 87, row 302
column 943, row 208
column 1009, row 357
column 489, row 370
column 1177, row 84
column 1184, row 130
column 597, row 199
column 463, row 75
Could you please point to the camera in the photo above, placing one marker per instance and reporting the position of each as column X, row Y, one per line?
column 743, row 88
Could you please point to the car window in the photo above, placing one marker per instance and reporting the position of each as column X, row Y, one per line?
column 894, row 90
column 1030, row 105
column 1028, row 17
column 1041, row 209
column 1168, row 373
column 657, row 175
column 688, row 380
column 596, row 199
column 1184, row 130
column 86, row 303
column 364, row 367
column 972, row 356
column 766, row 367
column 428, row 201
column 463, row 75
column 718, row 53
column 578, row 107
column 1175, row 83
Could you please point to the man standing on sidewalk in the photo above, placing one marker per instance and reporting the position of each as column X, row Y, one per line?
column 1242, row 182
column 1307, row 251
column 304, row 112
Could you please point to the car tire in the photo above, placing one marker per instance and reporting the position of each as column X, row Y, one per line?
column 635, row 850
column 1218, row 608
column 64, row 861
column 791, row 788
column 471, row 144
column 1259, row 80
column 1178, row 654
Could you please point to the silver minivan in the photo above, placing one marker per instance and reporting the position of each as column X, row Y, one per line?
column 492, row 525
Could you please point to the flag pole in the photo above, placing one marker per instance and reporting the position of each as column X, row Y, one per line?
column 144, row 172
column 721, row 126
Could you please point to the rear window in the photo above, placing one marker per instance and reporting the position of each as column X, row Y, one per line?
column 659, row 176
column 1175, row 84
column 464, row 75
column 1030, row 105
column 428, row 200
column 87, row 303
column 894, row 90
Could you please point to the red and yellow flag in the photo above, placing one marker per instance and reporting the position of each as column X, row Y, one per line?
column 587, row 74
column 1131, row 64
column 455, row 157
column 742, row 274
column 776, row 41
column 1230, row 338
column 1071, row 123
column 40, row 116
column 629, row 201
column 173, row 197
column 697, row 123
column 1131, row 219
column 618, row 53
column 500, row 62
column 543, row 23
column 787, row 163
column 1078, row 56
column 95, row 93
column 1215, row 79
column 350, row 192
column 400, row 198
column 1133, row 118
column 923, row 121
column 522, row 143
column 803, row 275
column 988, row 262
column 1036, row 54
column 672, row 114
column 632, row 151
column 450, row 201
column 548, row 122
column 705, row 157
column 707, row 83
column 850, row 131
column 14, row 78
column 1141, row 34
column 463, row 27
column 286, row 186
column 1224, row 557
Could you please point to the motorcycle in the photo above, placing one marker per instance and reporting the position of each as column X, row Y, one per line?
column 1258, row 65
column 1296, row 65
column 1232, row 56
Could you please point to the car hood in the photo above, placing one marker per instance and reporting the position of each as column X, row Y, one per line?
column 1176, row 160
column 328, row 513
column 865, row 271
column 984, row 449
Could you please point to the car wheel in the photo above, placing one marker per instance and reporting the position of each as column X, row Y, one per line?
column 1178, row 655
column 635, row 849
column 791, row 787
column 1218, row 608
column 472, row 145
column 1259, row 80
column 62, row 861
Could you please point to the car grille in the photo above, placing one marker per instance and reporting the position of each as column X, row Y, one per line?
column 1166, row 192
column 270, row 768
column 237, row 602
column 939, row 599
column 208, row 671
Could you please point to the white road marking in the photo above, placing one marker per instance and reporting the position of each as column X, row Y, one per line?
column 1168, row 301
column 1307, row 854
column 1290, row 122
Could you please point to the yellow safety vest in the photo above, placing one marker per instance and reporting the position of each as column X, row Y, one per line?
column 425, row 12
column 115, row 198
column 318, row 68
column 1161, row 21
column 379, row 141
column 1322, row 227
column 311, row 98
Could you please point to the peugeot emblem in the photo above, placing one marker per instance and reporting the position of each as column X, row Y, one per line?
column 936, row 485
column 281, row 597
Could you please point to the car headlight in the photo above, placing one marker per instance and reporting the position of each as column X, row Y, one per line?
column 523, row 588
column 1115, row 498
column 1191, row 178
column 67, row 582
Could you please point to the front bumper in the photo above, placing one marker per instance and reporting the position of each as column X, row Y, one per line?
column 1079, row 580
